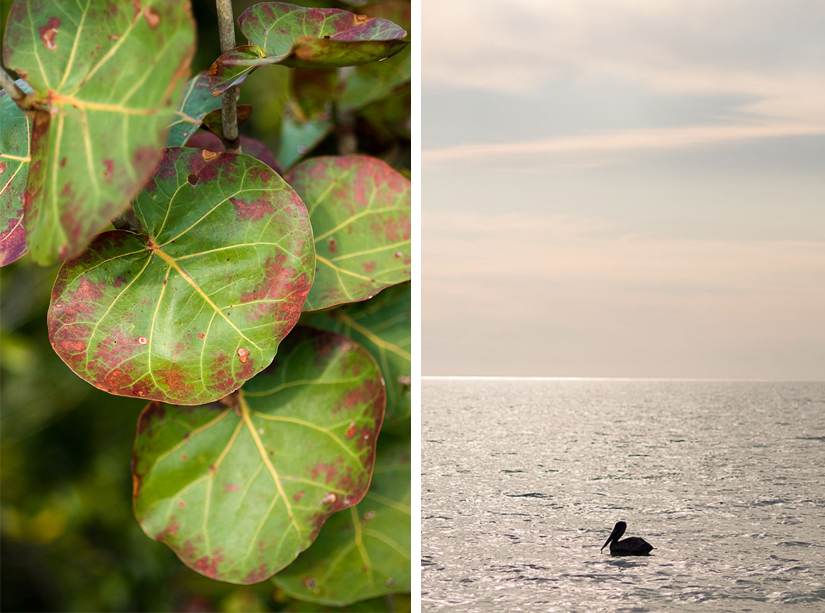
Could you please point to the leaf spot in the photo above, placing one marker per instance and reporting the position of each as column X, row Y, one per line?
column 142, row 340
column 152, row 18
column 208, row 155
column 243, row 354
column 310, row 582
column 332, row 247
column 329, row 498
column 352, row 430
column 48, row 32
column 193, row 179
column 398, row 255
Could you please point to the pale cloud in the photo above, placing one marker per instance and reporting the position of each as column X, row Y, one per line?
column 625, row 141
column 560, row 295
column 767, row 51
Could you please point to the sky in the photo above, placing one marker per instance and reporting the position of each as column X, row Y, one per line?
column 624, row 188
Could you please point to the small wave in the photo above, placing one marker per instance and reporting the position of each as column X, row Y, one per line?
column 530, row 495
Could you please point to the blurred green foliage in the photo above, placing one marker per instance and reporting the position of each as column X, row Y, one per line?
column 68, row 538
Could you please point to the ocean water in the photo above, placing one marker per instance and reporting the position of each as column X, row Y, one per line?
column 522, row 481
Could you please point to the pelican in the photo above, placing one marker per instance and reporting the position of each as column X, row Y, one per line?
column 633, row 546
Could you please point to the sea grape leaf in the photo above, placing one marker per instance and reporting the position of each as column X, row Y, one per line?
column 280, row 33
column 300, row 136
column 213, row 121
column 314, row 90
column 196, row 103
column 360, row 210
column 383, row 326
column 15, row 129
column 363, row 552
column 249, row 146
column 106, row 77
column 239, row 491
column 196, row 303
column 372, row 82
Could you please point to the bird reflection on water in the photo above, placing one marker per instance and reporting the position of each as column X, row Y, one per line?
column 633, row 546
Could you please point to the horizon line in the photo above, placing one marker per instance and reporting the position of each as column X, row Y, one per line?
column 686, row 379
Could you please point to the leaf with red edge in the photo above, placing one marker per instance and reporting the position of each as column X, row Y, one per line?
column 360, row 210
column 366, row 551
column 14, row 170
column 198, row 301
column 106, row 78
column 239, row 489
column 280, row 33
column 371, row 82
column 383, row 325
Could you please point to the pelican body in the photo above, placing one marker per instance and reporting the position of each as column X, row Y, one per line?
column 633, row 546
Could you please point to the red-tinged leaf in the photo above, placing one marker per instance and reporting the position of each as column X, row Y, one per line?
column 14, row 170
column 107, row 76
column 249, row 146
column 197, row 303
column 364, row 552
column 360, row 210
column 383, row 326
column 280, row 33
column 239, row 489
column 372, row 82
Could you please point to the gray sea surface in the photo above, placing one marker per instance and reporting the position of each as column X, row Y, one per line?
column 522, row 481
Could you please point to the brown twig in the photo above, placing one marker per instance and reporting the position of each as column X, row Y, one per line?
column 229, row 109
column 14, row 92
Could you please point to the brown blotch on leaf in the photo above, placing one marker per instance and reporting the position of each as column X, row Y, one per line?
column 351, row 431
column 243, row 354
column 329, row 498
column 208, row 155
column 193, row 179
column 48, row 33
column 310, row 582
column 114, row 36
column 152, row 18
column 332, row 247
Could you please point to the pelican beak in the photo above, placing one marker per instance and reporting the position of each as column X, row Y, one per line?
column 610, row 538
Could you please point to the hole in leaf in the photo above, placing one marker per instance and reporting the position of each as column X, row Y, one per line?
column 193, row 179
column 326, row 37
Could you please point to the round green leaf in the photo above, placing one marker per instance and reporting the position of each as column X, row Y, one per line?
column 383, row 326
column 363, row 552
column 280, row 33
column 360, row 210
column 14, row 169
column 197, row 303
column 238, row 491
column 106, row 76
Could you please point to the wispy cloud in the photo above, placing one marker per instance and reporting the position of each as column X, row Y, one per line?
column 765, row 51
column 626, row 141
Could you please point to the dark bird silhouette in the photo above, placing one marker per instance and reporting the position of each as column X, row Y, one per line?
column 633, row 546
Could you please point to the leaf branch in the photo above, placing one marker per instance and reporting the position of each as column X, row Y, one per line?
column 229, row 109
column 14, row 92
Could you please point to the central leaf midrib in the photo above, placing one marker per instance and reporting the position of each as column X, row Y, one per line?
column 174, row 264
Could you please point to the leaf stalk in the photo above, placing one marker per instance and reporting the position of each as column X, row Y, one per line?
column 14, row 92
column 229, row 108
